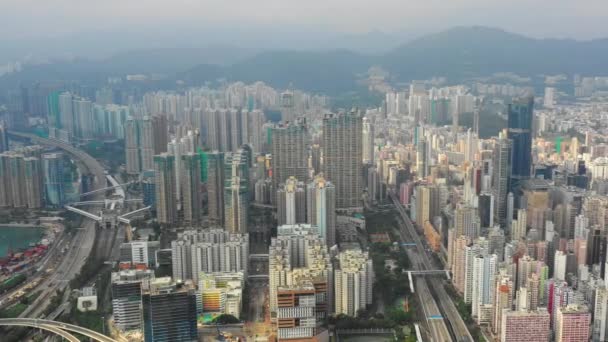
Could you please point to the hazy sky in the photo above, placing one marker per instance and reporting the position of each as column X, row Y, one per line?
column 581, row 19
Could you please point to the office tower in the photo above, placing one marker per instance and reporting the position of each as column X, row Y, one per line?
column 572, row 323
column 210, row 250
column 169, row 312
column 149, row 189
column 520, row 116
column 422, row 152
column 427, row 204
column 466, row 222
column 486, row 209
column 500, row 179
column 33, row 182
column 297, row 258
column 140, row 253
column 354, row 282
column 291, row 202
column 126, row 297
column 321, row 208
column 52, row 168
column 368, row 141
column 191, row 189
column 221, row 292
column 3, row 137
column 166, row 201
column 289, row 148
column 484, row 271
column 342, row 151
column 531, row 326
column 215, row 187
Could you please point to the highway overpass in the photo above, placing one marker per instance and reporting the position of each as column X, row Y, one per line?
column 54, row 327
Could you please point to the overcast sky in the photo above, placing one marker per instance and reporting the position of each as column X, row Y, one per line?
column 582, row 19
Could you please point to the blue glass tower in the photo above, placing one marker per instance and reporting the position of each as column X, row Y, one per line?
column 53, row 175
column 520, row 114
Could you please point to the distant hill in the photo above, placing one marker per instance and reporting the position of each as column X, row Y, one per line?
column 458, row 54
column 473, row 51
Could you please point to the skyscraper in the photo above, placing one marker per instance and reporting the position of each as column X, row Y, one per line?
column 144, row 138
column 354, row 282
column 166, row 201
column 236, row 191
column 126, row 297
column 169, row 312
column 33, row 182
column 289, row 146
column 3, row 137
column 191, row 188
column 427, row 204
column 215, row 187
column 52, row 169
column 297, row 258
column 236, row 203
column 342, row 157
column 291, row 202
column 368, row 141
column 500, row 179
column 520, row 116
column 321, row 208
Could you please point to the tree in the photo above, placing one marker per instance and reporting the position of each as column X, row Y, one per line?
column 225, row 319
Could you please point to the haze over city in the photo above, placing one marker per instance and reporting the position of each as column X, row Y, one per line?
column 304, row 171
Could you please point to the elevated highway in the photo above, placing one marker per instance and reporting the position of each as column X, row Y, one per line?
column 55, row 327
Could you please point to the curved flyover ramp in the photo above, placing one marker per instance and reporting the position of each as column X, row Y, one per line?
column 53, row 326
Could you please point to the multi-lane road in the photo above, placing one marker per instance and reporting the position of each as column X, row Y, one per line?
column 82, row 242
column 447, row 325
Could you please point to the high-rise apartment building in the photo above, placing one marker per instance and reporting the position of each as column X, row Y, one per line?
column 52, row 169
column 211, row 250
column 191, row 188
column 3, row 137
column 321, row 208
column 466, row 222
column 297, row 258
column 342, row 157
column 353, row 282
column 530, row 326
column 166, row 193
column 215, row 187
column 33, row 182
column 427, row 204
column 289, row 147
column 484, row 272
column 291, row 202
column 368, row 141
column 572, row 323
column 144, row 138
column 296, row 312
